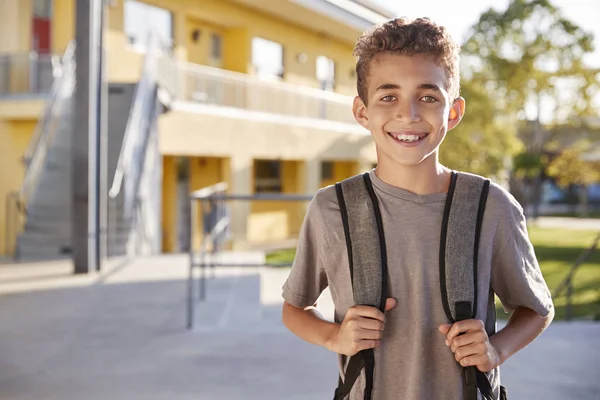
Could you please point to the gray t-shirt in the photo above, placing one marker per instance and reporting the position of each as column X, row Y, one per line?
column 413, row 363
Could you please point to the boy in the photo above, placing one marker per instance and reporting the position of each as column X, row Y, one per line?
column 408, row 98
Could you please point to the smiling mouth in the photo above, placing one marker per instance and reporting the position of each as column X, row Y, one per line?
column 408, row 137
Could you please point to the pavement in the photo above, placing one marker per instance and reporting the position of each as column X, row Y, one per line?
column 121, row 334
column 591, row 224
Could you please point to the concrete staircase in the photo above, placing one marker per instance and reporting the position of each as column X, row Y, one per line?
column 47, row 231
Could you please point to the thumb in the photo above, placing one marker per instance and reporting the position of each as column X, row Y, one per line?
column 390, row 303
column 445, row 328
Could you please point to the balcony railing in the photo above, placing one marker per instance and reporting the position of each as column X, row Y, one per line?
column 27, row 73
column 214, row 86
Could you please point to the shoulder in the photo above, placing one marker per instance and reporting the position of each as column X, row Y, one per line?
column 325, row 203
column 499, row 199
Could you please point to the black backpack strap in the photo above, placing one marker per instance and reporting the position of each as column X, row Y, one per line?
column 459, row 253
column 367, row 257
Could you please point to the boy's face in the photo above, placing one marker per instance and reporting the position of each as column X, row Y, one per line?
column 408, row 111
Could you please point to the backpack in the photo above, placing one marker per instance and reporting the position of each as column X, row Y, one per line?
column 459, row 244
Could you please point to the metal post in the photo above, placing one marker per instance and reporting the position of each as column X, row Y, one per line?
column 102, row 150
column 190, row 286
column 568, row 307
column 85, row 136
column 203, row 253
column 7, row 223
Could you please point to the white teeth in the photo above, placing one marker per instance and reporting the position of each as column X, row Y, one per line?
column 406, row 138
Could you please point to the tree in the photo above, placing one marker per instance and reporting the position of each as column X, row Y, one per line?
column 481, row 143
column 525, row 53
column 523, row 56
column 570, row 168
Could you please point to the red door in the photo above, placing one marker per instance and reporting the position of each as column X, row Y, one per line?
column 42, row 26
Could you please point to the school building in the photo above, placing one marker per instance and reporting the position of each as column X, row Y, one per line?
column 260, row 97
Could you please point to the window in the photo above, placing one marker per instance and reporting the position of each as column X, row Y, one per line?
column 42, row 9
column 267, row 58
column 41, row 37
column 141, row 19
column 267, row 176
column 215, row 46
column 326, row 73
column 326, row 170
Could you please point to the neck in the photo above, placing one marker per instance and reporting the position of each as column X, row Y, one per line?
column 428, row 177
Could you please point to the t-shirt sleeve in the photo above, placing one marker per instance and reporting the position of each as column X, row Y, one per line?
column 307, row 278
column 516, row 275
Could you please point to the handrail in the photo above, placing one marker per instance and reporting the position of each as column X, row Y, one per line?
column 279, row 85
column 217, row 87
column 36, row 152
column 11, row 221
column 27, row 72
column 144, row 92
column 50, row 103
column 567, row 282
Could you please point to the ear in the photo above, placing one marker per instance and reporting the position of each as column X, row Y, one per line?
column 360, row 112
column 456, row 112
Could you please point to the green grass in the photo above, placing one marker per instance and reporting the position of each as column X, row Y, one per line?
column 556, row 251
column 592, row 214
column 278, row 257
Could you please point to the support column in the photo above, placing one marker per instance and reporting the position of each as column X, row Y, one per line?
column 312, row 175
column 242, row 168
column 86, row 137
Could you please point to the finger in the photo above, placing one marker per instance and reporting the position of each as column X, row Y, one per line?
column 368, row 344
column 367, row 334
column 464, row 340
column 390, row 303
column 470, row 350
column 370, row 323
column 463, row 327
column 369, row 312
column 474, row 361
column 444, row 329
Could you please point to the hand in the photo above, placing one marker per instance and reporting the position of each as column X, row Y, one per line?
column 473, row 348
column 362, row 328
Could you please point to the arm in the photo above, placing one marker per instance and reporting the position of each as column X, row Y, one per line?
column 308, row 324
column 475, row 348
column 523, row 326
column 361, row 329
column 518, row 281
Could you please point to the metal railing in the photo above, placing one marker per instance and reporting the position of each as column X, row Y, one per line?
column 211, row 202
column 567, row 282
column 57, row 104
column 131, row 163
column 214, row 86
column 14, row 213
column 27, row 73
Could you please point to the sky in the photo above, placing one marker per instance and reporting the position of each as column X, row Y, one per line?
column 459, row 15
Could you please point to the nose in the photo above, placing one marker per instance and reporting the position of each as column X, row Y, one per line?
column 408, row 111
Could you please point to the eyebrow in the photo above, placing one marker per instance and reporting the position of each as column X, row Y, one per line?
column 393, row 86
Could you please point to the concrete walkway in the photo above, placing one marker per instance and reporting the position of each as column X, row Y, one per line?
column 591, row 224
column 121, row 335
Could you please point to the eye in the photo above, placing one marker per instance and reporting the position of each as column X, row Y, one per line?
column 428, row 99
column 388, row 98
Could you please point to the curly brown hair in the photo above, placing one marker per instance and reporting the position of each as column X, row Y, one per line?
column 408, row 37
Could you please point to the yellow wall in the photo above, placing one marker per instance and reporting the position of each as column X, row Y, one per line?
column 63, row 24
column 203, row 172
column 169, row 201
column 341, row 171
column 14, row 139
column 238, row 25
column 279, row 220
column 15, row 26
